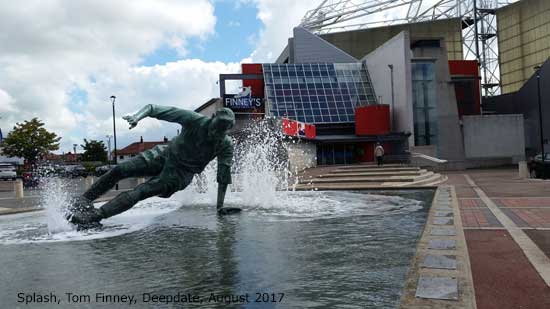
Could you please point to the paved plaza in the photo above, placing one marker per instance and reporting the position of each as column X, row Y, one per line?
column 506, row 223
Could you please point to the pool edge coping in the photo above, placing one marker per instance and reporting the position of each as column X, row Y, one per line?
column 463, row 274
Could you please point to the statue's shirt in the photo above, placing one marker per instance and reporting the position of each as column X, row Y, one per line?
column 191, row 150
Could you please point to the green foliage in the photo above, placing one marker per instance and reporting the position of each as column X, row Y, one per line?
column 94, row 151
column 89, row 166
column 30, row 140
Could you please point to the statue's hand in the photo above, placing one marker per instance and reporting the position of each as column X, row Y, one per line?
column 132, row 120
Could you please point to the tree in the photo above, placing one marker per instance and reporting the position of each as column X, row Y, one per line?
column 30, row 140
column 94, row 151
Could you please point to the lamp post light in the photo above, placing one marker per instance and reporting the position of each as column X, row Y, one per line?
column 537, row 72
column 113, row 98
column 392, row 96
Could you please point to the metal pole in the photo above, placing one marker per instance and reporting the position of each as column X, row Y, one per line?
column 109, row 155
column 537, row 68
column 114, row 134
column 392, row 98
column 478, row 58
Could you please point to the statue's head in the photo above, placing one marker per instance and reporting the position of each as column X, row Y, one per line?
column 222, row 121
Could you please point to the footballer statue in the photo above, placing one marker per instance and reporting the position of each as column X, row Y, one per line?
column 171, row 167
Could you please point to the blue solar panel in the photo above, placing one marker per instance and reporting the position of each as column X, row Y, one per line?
column 317, row 92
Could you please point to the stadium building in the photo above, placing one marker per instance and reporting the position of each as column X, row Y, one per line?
column 406, row 86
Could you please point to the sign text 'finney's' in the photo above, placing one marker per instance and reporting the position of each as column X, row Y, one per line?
column 243, row 102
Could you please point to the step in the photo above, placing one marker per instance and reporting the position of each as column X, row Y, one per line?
column 371, row 164
column 374, row 170
column 339, row 186
column 433, row 181
column 362, row 179
column 430, row 180
column 352, row 174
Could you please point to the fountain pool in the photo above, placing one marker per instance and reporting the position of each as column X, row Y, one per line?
column 322, row 249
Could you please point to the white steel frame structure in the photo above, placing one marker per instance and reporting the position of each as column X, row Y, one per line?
column 478, row 17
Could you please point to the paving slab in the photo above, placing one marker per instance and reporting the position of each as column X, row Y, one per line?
column 443, row 213
column 437, row 287
column 443, row 221
column 443, row 231
column 442, row 244
column 439, row 261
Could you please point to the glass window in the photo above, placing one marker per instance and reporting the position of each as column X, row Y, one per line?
column 322, row 92
column 424, row 103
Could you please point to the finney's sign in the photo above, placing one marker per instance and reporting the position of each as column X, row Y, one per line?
column 242, row 100
column 233, row 102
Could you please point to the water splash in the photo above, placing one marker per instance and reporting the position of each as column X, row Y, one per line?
column 55, row 198
column 260, row 166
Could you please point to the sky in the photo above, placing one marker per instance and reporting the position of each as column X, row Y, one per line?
column 61, row 61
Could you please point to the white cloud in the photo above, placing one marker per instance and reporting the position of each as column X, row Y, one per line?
column 185, row 84
column 279, row 18
column 50, row 47
column 6, row 102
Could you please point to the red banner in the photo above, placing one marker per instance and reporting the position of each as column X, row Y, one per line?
column 296, row 128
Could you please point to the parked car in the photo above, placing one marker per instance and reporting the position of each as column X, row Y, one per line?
column 74, row 171
column 100, row 170
column 540, row 168
column 30, row 180
column 7, row 171
column 49, row 170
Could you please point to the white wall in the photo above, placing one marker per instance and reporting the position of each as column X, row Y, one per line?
column 301, row 155
column 396, row 52
column 494, row 136
column 124, row 158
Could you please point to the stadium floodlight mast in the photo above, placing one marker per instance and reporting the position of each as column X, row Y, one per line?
column 478, row 24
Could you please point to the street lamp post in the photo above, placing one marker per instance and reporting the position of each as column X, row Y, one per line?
column 74, row 151
column 113, row 98
column 109, row 157
column 392, row 96
column 537, row 72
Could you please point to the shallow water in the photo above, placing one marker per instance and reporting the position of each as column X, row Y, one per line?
column 321, row 249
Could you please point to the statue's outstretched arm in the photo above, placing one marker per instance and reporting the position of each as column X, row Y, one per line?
column 166, row 113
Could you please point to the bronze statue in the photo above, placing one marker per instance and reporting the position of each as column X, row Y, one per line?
column 171, row 166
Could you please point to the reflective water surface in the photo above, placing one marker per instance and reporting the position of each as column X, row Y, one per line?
column 320, row 249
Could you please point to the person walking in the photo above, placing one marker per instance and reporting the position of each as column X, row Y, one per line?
column 379, row 154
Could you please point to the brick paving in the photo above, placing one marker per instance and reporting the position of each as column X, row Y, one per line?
column 497, row 261
column 523, row 202
column 530, row 217
column 466, row 203
column 476, row 218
